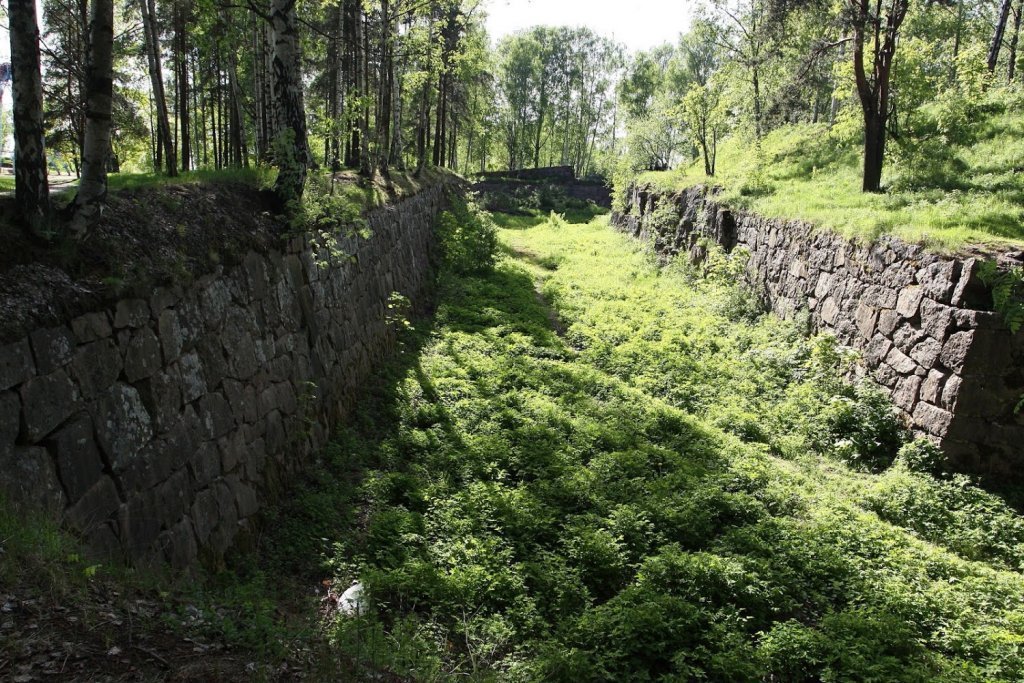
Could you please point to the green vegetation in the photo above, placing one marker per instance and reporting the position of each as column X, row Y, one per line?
column 811, row 172
column 590, row 468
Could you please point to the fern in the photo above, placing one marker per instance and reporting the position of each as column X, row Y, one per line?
column 1007, row 292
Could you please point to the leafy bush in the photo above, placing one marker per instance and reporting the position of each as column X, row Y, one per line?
column 468, row 236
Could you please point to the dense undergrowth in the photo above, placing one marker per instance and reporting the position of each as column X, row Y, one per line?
column 961, row 185
column 590, row 468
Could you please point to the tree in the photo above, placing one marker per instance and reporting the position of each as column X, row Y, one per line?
column 291, row 142
column 997, row 35
column 749, row 37
column 32, row 193
column 99, row 69
column 873, row 89
column 156, row 77
column 705, row 117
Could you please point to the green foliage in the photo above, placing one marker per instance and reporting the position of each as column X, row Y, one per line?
column 467, row 235
column 1007, row 291
column 649, row 490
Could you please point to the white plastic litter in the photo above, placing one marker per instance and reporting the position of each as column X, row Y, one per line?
column 351, row 601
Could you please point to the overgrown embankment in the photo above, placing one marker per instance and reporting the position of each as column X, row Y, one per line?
column 922, row 321
column 666, row 484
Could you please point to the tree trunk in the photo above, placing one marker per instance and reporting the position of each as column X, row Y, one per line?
column 92, row 188
column 32, row 193
column 874, row 151
column 182, row 69
column 997, row 35
column 290, row 111
column 156, row 78
column 1011, row 69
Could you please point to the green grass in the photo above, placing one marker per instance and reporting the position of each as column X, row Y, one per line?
column 806, row 172
column 590, row 468
column 6, row 183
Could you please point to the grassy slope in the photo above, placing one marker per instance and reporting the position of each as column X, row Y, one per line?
column 654, row 493
column 809, row 175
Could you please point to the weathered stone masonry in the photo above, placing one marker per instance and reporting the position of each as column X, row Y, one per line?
column 157, row 428
column 917, row 317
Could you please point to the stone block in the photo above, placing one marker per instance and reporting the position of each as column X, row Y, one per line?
column 926, row 352
column 907, row 336
column 211, row 355
column 179, row 544
column 215, row 414
column 205, row 515
column 865, row 318
column 931, row 389
column 205, row 464
column 172, row 338
column 123, row 426
column 255, row 460
column 931, row 419
column 214, row 302
column 162, row 299
column 233, row 450
column 96, row 366
column 938, row 279
column 16, row 364
column 951, row 392
column 29, row 480
column 900, row 362
column 193, row 381
column 162, row 397
column 909, row 301
column 78, row 459
column 954, row 352
column 131, row 313
column 905, row 394
column 46, row 402
column 143, row 357
column 877, row 350
column 52, row 347
column 829, row 311
column 246, row 500
column 91, row 327
column 173, row 498
column 10, row 419
column 97, row 505
column 936, row 319
column 888, row 320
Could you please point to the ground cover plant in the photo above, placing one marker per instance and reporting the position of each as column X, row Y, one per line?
column 588, row 467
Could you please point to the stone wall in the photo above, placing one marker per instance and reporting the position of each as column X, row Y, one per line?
column 159, row 426
column 918, row 318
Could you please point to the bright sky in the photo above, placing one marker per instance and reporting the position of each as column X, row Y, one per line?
column 639, row 24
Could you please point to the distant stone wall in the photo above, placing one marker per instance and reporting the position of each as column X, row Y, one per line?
column 522, row 182
column 918, row 318
column 158, row 427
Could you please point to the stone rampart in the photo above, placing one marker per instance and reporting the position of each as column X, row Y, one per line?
column 158, row 427
column 918, row 318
